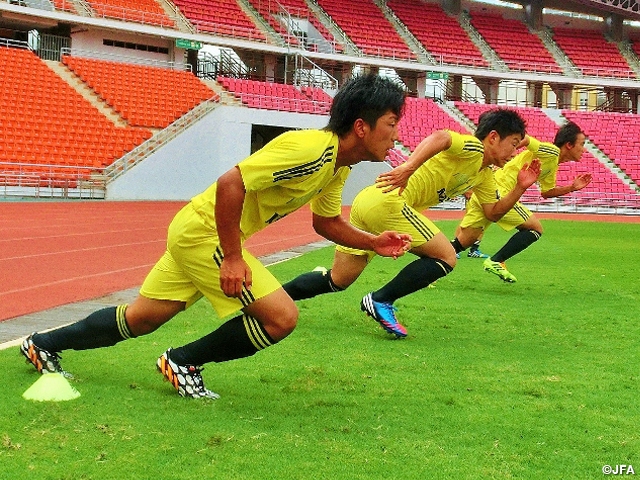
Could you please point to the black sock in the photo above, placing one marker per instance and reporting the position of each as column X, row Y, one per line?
column 518, row 242
column 239, row 337
column 475, row 247
column 103, row 328
column 457, row 246
column 418, row 274
column 310, row 284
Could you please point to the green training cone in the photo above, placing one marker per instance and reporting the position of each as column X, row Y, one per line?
column 51, row 387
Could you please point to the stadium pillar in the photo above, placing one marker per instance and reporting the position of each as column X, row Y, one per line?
column 489, row 87
column 416, row 82
column 270, row 63
column 563, row 95
column 454, row 88
column 192, row 59
column 452, row 7
column 618, row 101
column 614, row 27
column 533, row 13
column 534, row 94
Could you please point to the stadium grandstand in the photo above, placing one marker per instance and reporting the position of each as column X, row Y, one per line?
column 154, row 99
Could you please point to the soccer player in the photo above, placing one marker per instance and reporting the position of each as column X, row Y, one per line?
column 444, row 165
column 205, row 254
column 567, row 146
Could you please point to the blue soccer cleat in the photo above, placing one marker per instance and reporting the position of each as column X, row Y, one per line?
column 384, row 314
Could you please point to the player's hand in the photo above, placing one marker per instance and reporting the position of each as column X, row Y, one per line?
column 396, row 178
column 581, row 181
column 529, row 173
column 392, row 244
column 234, row 275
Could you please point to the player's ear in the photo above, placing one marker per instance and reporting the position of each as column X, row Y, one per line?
column 360, row 127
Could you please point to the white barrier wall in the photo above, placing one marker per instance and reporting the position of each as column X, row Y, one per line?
column 194, row 160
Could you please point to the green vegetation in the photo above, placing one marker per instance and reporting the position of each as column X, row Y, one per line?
column 533, row 380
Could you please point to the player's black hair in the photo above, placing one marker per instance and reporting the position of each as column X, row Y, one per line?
column 367, row 96
column 503, row 120
column 568, row 133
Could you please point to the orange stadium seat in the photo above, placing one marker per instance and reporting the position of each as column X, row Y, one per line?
column 142, row 11
column 54, row 124
column 145, row 96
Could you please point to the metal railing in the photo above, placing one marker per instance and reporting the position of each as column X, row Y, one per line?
column 114, row 57
column 50, row 181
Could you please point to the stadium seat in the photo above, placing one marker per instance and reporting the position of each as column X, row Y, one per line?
column 378, row 39
column 440, row 34
column 220, row 17
column 143, row 95
column 142, row 11
column 55, row 130
column 592, row 53
column 276, row 96
column 509, row 47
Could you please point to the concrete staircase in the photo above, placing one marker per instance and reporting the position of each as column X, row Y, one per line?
column 350, row 48
column 262, row 25
column 489, row 54
column 567, row 66
column 414, row 44
column 87, row 93
column 630, row 56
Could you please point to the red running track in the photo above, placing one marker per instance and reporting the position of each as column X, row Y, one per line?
column 54, row 253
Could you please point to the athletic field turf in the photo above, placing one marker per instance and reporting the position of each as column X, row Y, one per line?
column 532, row 380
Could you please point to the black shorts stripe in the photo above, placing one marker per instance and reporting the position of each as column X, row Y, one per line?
column 417, row 222
column 247, row 297
column 218, row 256
column 521, row 211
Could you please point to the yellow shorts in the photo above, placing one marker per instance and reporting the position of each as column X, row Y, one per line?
column 375, row 212
column 190, row 268
column 474, row 217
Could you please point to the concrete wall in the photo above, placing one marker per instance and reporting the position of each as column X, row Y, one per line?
column 194, row 160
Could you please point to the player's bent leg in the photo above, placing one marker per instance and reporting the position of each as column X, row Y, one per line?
column 465, row 237
column 345, row 270
column 528, row 233
column 146, row 315
column 262, row 324
column 437, row 259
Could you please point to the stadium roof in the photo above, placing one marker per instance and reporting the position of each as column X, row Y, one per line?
column 629, row 9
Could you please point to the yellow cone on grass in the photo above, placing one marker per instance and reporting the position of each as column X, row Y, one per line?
column 51, row 387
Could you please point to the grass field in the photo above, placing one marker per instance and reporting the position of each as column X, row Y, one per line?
column 533, row 380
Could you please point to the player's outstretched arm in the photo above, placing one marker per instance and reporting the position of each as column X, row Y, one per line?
column 234, row 271
column 578, row 183
column 399, row 176
column 338, row 230
column 527, row 176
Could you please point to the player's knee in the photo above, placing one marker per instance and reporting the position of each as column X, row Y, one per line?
column 284, row 324
column 450, row 258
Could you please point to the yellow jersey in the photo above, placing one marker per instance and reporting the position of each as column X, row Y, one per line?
column 295, row 168
column 547, row 153
column 451, row 173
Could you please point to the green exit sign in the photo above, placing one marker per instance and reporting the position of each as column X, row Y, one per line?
column 437, row 75
column 188, row 44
